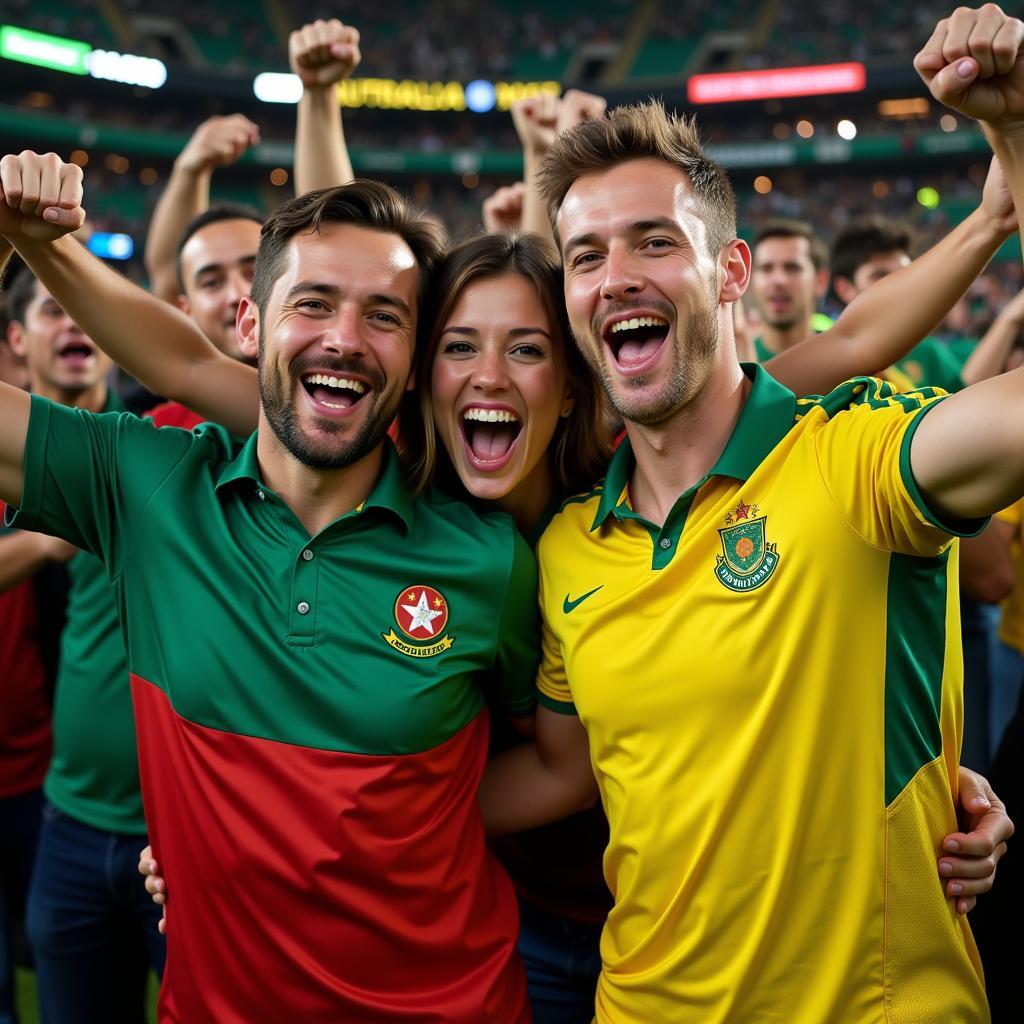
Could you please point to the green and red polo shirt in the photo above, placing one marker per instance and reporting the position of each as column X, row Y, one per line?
column 310, row 722
column 94, row 774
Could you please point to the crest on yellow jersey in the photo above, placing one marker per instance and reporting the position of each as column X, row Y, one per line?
column 747, row 560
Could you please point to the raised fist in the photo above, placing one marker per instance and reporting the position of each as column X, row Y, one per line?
column 218, row 142
column 577, row 106
column 536, row 121
column 40, row 197
column 324, row 52
column 973, row 64
column 503, row 210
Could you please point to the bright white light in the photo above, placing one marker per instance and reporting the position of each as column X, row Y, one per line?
column 846, row 130
column 127, row 68
column 480, row 96
column 274, row 87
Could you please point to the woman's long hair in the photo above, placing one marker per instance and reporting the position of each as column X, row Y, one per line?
column 581, row 444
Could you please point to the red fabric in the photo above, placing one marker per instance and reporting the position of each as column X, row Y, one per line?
column 174, row 414
column 322, row 886
column 25, row 737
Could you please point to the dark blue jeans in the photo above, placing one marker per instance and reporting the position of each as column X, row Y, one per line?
column 19, row 830
column 92, row 925
column 562, row 959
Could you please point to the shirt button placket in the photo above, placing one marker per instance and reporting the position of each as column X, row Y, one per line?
column 302, row 615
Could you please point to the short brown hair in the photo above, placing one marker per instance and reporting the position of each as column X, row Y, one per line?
column 788, row 227
column 861, row 239
column 364, row 203
column 581, row 445
column 635, row 133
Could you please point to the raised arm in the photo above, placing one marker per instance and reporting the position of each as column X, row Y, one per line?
column 538, row 121
column 176, row 359
column 322, row 54
column 888, row 319
column 991, row 353
column 217, row 142
column 967, row 456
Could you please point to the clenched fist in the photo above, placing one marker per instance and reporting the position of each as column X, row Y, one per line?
column 217, row 142
column 503, row 211
column 40, row 197
column 974, row 64
column 324, row 52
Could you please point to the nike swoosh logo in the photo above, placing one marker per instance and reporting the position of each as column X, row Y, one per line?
column 567, row 605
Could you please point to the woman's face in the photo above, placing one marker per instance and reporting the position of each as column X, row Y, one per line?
column 498, row 385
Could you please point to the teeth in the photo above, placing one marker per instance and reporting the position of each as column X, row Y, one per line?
column 490, row 416
column 638, row 321
column 337, row 382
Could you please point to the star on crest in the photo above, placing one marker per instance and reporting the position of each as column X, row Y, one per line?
column 422, row 615
column 741, row 511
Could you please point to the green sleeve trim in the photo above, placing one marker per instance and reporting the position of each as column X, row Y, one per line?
column 27, row 515
column 955, row 527
column 518, row 644
column 562, row 707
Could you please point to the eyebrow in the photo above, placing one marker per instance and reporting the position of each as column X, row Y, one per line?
column 334, row 292
column 209, row 268
column 638, row 227
column 516, row 332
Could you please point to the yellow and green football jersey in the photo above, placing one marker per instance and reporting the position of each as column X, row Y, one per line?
column 771, row 684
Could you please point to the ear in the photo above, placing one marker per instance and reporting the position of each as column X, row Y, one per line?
column 247, row 327
column 182, row 303
column 821, row 283
column 734, row 270
column 16, row 338
column 844, row 289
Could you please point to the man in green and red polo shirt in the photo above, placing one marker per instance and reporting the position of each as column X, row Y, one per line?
column 305, row 640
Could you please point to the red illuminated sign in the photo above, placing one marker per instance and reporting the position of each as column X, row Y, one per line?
column 776, row 83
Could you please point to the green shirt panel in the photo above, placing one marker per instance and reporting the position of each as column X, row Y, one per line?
column 930, row 363
column 94, row 774
column 252, row 626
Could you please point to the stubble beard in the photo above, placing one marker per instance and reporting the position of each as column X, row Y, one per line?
column 279, row 411
column 687, row 377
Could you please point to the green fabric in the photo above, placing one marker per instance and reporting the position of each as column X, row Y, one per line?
column 914, row 658
column 253, row 627
column 766, row 418
column 931, row 363
column 94, row 774
column 820, row 323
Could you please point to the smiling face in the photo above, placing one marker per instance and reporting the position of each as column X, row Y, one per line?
column 216, row 270
column 335, row 342
column 641, row 287
column 498, row 386
column 62, row 362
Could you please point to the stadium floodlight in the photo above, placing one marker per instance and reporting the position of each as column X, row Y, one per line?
column 481, row 96
column 777, row 83
column 846, row 129
column 277, row 87
column 126, row 68
column 78, row 58
column 44, row 51
column 112, row 245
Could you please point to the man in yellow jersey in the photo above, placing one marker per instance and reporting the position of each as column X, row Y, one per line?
column 751, row 625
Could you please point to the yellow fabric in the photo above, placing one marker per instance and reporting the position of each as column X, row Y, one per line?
column 739, row 738
column 1011, row 618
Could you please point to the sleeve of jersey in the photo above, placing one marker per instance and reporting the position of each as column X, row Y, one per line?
column 517, row 641
column 88, row 476
column 552, row 685
column 864, row 458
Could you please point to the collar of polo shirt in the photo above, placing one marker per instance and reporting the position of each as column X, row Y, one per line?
column 767, row 417
column 389, row 493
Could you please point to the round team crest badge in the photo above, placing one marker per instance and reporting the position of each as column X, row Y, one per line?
column 421, row 614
